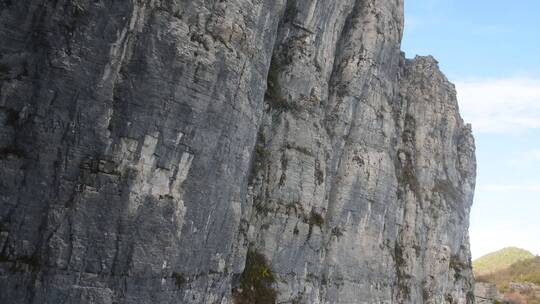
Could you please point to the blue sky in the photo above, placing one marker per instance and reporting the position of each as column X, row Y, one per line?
column 490, row 50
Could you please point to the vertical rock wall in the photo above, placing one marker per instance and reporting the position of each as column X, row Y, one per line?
column 234, row 151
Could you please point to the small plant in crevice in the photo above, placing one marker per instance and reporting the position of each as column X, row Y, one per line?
column 401, row 276
column 280, row 104
column 302, row 150
column 318, row 173
column 284, row 164
column 260, row 149
column 337, row 232
column 407, row 175
column 293, row 208
column 409, row 134
column 256, row 281
column 398, row 255
column 274, row 95
column 21, row 263
column 13, row 152
column 272, row 85
column 448, row 298
column 4, row 70
column 179, row 279
column 457, row 265
column 261, row 207
column 260, row 152
column 315, row 219
column 297, row 300
column 260, row 157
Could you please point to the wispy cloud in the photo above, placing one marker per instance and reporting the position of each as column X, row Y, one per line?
column 535, row 154
column 490, row 29
column 528, row 187
column 525, row 158
column 500, row 105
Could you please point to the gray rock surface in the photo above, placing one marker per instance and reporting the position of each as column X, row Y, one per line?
column 233, row 151
column 485, row 293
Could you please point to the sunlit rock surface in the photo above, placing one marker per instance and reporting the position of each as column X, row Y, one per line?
column 230, row 151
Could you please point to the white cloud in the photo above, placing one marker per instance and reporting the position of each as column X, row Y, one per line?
column 527, row 187
column 500, row 105
column 525, row 159
column 534, row 154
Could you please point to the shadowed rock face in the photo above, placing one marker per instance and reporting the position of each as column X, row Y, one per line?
column 235, row 151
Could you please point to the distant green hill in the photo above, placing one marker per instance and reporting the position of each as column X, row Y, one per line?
column 500, row 260
column 523, row 273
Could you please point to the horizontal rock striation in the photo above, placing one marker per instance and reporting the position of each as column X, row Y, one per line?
column 232, row 151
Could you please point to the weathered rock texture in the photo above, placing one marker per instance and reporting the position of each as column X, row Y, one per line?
column 248, row 151
column 485, row 293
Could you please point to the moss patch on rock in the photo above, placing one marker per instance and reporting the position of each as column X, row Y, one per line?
column 260, row 157
column 179, row 279
column 256, row 281
column 315, row 219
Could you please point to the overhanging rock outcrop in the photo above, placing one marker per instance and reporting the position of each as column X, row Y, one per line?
column 231, row 151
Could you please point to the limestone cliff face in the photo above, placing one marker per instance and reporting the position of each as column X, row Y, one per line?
column 232, row 151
